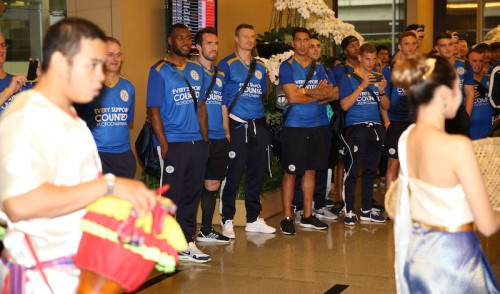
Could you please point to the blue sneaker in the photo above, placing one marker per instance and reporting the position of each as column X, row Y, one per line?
column 350, row 218
column 372, row 215
column 377, row 206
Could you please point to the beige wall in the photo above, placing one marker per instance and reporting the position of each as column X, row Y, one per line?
column 422, row 12
column 140, row 26
column 231, row 13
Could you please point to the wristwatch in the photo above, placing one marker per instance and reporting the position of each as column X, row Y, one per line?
column 110, row 182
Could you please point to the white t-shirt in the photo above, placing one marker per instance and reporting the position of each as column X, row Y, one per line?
column 39, row 143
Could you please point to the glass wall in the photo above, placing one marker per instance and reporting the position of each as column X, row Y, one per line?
column 21, row 25
column 462, row 17
column 378, row 21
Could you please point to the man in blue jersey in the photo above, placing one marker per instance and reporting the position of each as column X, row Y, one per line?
column 350, row 45
column 249, row 149
column 362, row 97
column 9, row 85
column 399, row 110
column 305, row 85
column 218, row 132
column 178, row 115
column 322, row 177
column 481, row 118
column 110, row 114
column 461, row 123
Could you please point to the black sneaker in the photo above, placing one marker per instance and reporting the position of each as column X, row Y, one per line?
column 212, row 236
column 338, row 207
column 378, row 207
column 287, row 226
column 313, row 223
column 329, row 203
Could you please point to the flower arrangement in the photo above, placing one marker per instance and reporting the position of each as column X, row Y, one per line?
column 492, row 35
column 273, row 65
column 316, row 15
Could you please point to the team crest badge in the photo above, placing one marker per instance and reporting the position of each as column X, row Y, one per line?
column 169, row 169
column 460, row 70
column 194, row 75
column 392, row 151
column 258, row 74
column 218, row 82
column 232, row 154
column 124, row 95
column 291, row 167
column 355, row 149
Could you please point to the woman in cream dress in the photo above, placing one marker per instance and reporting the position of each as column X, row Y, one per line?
column 442, row 197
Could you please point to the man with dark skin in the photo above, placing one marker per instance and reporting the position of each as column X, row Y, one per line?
column 179, row 121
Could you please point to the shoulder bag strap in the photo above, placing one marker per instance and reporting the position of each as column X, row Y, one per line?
column 212, row 83
column 191, row 91
column 251, row 71
column 309, row 75
column 360, row 80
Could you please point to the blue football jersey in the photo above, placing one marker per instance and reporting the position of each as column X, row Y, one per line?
column 340, row 70
column 108, row 116
column 366, row 108
column 481, row 118
column 399, row 110
column 170, row 92
column 4, row 83
column 249, row 105
column 302, row 114
column 214, row 104
column 465, row 75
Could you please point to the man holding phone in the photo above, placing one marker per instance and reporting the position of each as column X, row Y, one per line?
column 362, row 97
column 10, row 85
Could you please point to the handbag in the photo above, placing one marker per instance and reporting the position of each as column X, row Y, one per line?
column 146, row 151
column 337, row 121
column 391, row 198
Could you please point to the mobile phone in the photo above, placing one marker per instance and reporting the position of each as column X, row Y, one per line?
column 421, row 26
column 378, row 78
column 33, row 66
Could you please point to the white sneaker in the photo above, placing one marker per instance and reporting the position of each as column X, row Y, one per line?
column 298, row 216
column 324, row 213
column 259, row 226
column 228, row 228
column 194, row 254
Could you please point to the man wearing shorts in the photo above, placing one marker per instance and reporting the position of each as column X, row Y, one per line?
column 218, row 133
column 304, row 147
column 399, row 110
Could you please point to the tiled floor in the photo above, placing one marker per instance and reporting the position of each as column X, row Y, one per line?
column 359, row 257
